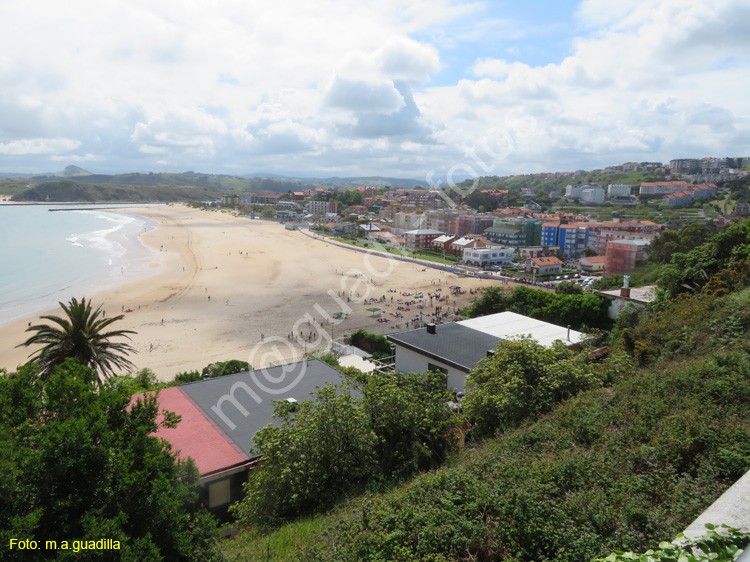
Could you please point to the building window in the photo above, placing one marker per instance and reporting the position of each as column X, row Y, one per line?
column 436, row 369
column 218, row 493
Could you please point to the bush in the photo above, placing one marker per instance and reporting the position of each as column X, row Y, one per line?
column 371, row 343
column 222, row 368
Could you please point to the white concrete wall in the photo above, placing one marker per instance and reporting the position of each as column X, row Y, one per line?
column 408, row 361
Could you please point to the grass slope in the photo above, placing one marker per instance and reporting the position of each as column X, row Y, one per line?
column 619, row 468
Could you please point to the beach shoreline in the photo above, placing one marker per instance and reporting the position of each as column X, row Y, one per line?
column 226, row 287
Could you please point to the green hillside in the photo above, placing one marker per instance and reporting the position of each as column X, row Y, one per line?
column 70, row 190
column 620, row 467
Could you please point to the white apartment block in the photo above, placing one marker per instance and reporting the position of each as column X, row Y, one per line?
column 619, row 190
column 487, row 256
column 593, row 194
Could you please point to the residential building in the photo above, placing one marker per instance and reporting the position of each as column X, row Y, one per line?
column 443, row 220
column 592, row 194
column 543, row 265
column 407, row 221
column 537, row 251
column 662, row 187
column 622, row 254
column 472, row 224
column 456, row 348
column 264, row 198
column 618, row 229
column 573, row 238
column 220, row 416
column 679, row 199
column 230, row 200
column 619, row 190
column 459, row 245
column 573, row 191
column 513, row 237
column 685, row 165
column 421, row 238
column 592, row 264
column 550, row 233
column 442, row 244
column 321, row 207
column 491, row 255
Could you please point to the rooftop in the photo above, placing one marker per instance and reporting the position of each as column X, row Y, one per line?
column 506, row 325
column 220, row 416
column 456, row 345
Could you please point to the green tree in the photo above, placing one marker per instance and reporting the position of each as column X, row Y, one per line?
column 568, row 288
column 222, row 368
column 81, row 335
column 80, row 462
column 323, row 450
column 411, row 419
column 523, row 378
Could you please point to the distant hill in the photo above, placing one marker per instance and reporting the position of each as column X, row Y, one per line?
column 73, row 171
column 66, row 190
column 223, row 183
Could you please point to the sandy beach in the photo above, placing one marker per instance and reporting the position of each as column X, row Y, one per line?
column 228, row 287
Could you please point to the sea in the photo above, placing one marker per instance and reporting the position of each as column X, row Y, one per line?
column 47, row 257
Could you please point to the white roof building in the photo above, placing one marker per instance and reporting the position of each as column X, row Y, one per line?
column 506, row 325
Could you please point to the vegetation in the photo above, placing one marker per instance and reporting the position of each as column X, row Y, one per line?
column 223, row 368
column 80, row 335
column 78, row 462
column 576, row 474
column 714, row 546
column 523, row 379
column 371, row 343
column 574, row 310
column 612, row 469
column 340, row 443
column 70, row 190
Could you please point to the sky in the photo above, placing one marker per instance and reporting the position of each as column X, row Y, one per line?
column 434, row 90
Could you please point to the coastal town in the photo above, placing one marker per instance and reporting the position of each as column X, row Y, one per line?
column 520, row 239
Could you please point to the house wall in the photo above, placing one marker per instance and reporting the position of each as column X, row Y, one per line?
column 234, row 483
column 408, row 361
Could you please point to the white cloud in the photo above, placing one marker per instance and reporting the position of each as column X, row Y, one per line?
column 363, row 95
column 39, row 146
column 294, row 85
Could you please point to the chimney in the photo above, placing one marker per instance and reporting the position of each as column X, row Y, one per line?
column 568, row 332
column 431, row 328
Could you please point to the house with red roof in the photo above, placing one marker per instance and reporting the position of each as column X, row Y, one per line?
column 543, row 265
column 220, row 416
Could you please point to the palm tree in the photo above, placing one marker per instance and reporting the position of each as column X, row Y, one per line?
column 80, row 335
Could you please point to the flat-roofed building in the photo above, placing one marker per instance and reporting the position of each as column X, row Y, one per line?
column 455, row 348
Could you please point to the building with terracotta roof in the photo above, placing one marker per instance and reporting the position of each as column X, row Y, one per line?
column 593, row 264
column 618, row 229
column 543, row 265
column 662, row 187
column 220, row 417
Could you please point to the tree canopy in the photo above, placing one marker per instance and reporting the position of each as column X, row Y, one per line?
column 78, row 462
column 345, row 439
column 81, row 335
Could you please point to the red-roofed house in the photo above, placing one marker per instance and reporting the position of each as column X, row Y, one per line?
column 543, row 266
column 593, row 264
column 220, row 417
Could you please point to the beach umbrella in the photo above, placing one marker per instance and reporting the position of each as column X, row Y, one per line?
column 338, row 314
column 373, row 310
